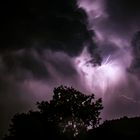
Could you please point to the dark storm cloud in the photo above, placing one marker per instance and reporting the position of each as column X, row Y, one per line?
column 124, row 15
column 61, row 63
column 135, row 65
column 123, row 11
column 136, row 45
column 25, row 64
column 37, row 40
column 58, row 25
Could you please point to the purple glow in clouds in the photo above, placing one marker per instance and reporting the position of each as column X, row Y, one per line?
column 104, row 78
column 113, row 70
column 51, row 58
column 112, row 80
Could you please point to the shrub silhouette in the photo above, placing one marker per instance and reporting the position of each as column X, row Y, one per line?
column 123, row 128
column 69, row 115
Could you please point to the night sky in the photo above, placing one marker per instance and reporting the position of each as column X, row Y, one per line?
column 92, row 45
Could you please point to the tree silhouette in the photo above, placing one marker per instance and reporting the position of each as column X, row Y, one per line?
column 122, row 128
column 70, row 114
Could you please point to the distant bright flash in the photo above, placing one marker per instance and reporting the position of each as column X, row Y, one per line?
column 99, row 79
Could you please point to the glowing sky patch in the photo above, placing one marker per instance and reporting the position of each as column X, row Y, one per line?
column 99, row 79
column 94, row 8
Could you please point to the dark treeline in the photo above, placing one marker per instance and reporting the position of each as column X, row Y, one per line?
column 70, row 115
column 123, row 128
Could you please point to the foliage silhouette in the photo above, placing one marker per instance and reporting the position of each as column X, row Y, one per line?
column 69, row 115
column 123, row 128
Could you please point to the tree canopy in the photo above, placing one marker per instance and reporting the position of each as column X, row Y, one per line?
column 70, row 114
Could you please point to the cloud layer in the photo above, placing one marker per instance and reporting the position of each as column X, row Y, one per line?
column 38, row 43
column 43, row 45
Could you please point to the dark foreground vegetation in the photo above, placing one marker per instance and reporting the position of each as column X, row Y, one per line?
column 70, row 115
column 123, row 128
